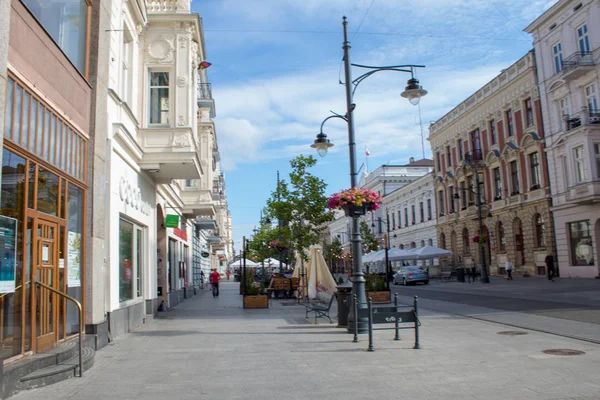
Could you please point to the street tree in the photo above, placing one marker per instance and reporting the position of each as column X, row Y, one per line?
column 369, row 242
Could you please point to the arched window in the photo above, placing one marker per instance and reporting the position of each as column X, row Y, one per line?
column 422, row 243
column 443, row 241
column 413, row 245
column 402, row 247
column 430, row 242
column 538, row 230
column 501, row 238
column 466, row 242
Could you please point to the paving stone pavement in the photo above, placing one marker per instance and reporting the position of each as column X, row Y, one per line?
column 213, row 349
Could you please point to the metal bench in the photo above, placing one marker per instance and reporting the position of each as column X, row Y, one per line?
column 320, row 305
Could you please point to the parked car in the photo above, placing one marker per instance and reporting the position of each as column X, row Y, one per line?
column 411, row 274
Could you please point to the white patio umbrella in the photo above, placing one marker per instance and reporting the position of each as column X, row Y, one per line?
column 319, row 276
column 373, row 256
column 240, row 263
column 426, row 253
column 273, row 262
column 400, row 254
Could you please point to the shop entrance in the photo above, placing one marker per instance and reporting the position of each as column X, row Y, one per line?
column 45, row 270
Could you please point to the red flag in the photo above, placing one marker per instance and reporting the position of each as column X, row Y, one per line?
column 204, row 65
column 367, row 151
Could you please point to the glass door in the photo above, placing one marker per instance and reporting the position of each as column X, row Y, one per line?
column 45, row 270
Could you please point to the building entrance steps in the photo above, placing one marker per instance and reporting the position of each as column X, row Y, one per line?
column 211, row 348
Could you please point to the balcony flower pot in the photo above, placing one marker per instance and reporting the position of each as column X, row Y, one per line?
column 355, row 201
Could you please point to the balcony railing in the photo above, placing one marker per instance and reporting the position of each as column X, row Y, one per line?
column 579, row 59
column 204, row 91
column 574, row 121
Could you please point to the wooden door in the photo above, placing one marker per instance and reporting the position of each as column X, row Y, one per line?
column 46, row 305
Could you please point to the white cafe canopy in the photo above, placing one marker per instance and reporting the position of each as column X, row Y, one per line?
column 240, row 263
column 373, row 256
column 273, row 262
column 421, row 253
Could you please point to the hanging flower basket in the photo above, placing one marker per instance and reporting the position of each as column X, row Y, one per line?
column 355, row 201
column 280, row 245
column 482, row 240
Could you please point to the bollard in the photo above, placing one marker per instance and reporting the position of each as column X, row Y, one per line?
column 397, row 337
column 370, row 307
column 355, row 298
column 416, row 311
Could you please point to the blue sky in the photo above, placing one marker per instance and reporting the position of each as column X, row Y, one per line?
column 276, row 64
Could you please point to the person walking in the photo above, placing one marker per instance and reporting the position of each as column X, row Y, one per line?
column 550, row 267
column 214, row 280
column 509, row 269
column 202, row 279
column 227, row 274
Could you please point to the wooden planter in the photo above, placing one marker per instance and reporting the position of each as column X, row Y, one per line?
column 258, row 301
column 380, row 297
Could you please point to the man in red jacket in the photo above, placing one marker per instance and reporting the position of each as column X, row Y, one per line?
column 214, row 280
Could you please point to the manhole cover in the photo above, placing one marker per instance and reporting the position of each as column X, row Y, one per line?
column 512, row 333
column 563, row 352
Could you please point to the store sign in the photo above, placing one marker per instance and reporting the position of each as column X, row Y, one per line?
column 172, row 221
column 205, row 254
column 132, row 195
column 180, row 233
column 8, row 255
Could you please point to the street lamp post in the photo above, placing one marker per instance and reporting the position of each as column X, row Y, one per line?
column 472, row 160
column 413, row 92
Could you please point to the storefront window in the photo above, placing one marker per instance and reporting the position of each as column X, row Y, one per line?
column 66, row 21
column 12, row 203
column 47, row 195
column 125, row 261
column 75, row 215
column 580, row 239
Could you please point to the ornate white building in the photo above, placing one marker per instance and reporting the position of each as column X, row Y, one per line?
column 567, row 49
column 164, row 215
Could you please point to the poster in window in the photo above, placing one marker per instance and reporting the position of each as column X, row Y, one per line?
column 74, row 259
column 8, row 246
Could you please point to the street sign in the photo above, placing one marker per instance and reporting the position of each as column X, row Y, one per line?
column 172, row 221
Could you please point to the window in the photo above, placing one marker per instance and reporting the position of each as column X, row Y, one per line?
column 466, row 242
column 439, row 163
column 597, row 153
column 412, row 211
column 422, row 211
column 563, row 106
column 159, row 98
column 429, row 206
column 509, row 124
column 501, row 238
column 493, row 138
column 441, row 202
column 529, row 112
column 580, row 239
column 405, row 216
column 399, row 219
column 443, row 240
column 471, row 187
column 476, row 144
column 66, row 21
column 565, row 172
column 393, row 220
column 448, row 156
column 497, row 184
column 582, row 39
column 126, row 65
column 579, row 164
column 534, row 165
column 463, row 195
column 460, row 149
column 430, row 242
column 130, row 251
column 451, row 203
column 591, row 99
column 538, row 230
column 514, row 177
column 558, row 58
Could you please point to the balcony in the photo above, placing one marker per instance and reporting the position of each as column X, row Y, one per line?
column 474, row 158
column 584, row 193
column 169, row 153
column 168, row 6
column 205, row 223
column 574, row 121
column 577, row 64
column 197, row 202
column 205, row 99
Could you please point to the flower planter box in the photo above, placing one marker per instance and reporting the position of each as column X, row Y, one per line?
column 258, row 301
column 380, row 297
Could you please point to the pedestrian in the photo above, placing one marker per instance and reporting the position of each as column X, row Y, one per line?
column 509, row 269
column 227, row 273
column 471, row 274
column 202, row 279
column 214, row 280
column 550, row 267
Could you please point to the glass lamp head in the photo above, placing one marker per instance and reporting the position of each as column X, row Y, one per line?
column 321, row 144
column 413, row 91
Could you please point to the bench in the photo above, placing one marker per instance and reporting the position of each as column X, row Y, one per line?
column 320, row 305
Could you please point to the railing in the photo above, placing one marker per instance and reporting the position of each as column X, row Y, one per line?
column 204, row 91
column 78, row 304
column 167, row 5
column 573, row 121
column 578, row 59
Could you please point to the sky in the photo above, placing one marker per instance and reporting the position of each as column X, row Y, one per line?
column 276, row 71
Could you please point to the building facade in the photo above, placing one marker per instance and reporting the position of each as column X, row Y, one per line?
column 45, row 174
column 494, row 142
column 567, row 47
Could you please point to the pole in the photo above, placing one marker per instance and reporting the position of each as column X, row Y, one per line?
column 484, row 273
column 387, row 248
column 358, row 278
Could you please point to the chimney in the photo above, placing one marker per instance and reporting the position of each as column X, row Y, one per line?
column 411, row 160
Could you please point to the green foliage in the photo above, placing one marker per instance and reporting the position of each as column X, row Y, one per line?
column 253, row 288
column 333, row 251
column 369, row 242
column 374, row 283
column 340, row 280
column 300, row 205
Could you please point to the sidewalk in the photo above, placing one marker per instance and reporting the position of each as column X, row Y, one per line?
column 213, row 349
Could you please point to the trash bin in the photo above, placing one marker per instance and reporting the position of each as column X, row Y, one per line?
column 344, row 291
column 460, row 274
